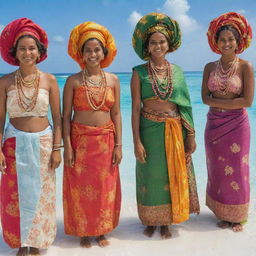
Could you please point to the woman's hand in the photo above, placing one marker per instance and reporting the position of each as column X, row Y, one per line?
column 69, row 157
column 190, row 144
column 140, row 152
column 55, row 159
column 117, row 155
column 2, row 163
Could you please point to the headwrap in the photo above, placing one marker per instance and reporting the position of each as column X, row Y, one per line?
column 81, row 33
column 155, row 22
column 235, row 20
column 13, row 31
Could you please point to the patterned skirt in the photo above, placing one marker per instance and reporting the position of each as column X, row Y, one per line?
column 227, row 144
column 28, row 189
column 165, row 184
column 91, row 189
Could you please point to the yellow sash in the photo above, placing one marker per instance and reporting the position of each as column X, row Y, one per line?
column 177, row 170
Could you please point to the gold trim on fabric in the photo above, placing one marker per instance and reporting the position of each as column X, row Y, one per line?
column 186, row 124
column 158, row 215
column 158, row 116
column 231, row 213
column 194, row 206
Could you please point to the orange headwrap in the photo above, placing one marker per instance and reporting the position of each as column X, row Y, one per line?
column 236, row 20
column 81, row 33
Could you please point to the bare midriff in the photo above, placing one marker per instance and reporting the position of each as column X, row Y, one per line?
column 30, row 123
column 92, row 118
column 159, row 105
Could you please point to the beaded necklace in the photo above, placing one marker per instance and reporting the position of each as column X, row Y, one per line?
column 222, row 76
column 26, row 102
column 161, row 90
column 91, row 94
column 91, row 81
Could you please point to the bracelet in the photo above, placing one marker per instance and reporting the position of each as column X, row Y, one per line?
column 56, row 149
column 191, row 134
column 116, row 145
column 57, row 145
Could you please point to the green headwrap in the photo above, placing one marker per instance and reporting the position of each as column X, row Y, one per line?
column 155, row 22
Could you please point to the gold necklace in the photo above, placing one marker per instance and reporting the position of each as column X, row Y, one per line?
column 93, row 82
column 26, row 102
column 92, row 95
column 27, row 83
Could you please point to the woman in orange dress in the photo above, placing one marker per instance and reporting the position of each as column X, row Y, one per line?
column 92, row 137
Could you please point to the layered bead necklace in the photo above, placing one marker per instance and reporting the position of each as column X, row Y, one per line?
column 161, row 89
column 93, row 95
column 222, row 76
column 26, row 102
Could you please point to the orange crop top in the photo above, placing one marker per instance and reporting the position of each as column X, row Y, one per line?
column 81, row 103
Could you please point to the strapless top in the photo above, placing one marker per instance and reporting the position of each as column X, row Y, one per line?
column 232, row 84
column 41, row 107
column 80, row 101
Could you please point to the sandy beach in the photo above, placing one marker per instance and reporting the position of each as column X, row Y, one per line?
column 198, row 236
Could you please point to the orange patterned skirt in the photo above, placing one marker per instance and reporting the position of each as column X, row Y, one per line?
column 91, row 189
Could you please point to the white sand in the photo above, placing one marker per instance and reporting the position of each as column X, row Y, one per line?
column 198, row 237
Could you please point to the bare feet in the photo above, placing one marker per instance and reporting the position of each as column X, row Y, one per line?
column 34, row 251
column 85, row 242
column 149, row 231
column 165, row 232
column 102, row 241
column 237, row 227
column 224, row 224
column 23, row 251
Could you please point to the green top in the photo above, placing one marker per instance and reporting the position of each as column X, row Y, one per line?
column 180, row 95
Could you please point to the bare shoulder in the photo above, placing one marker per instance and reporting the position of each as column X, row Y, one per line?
column 112, row 78
column 7, row 80
column 210, row 66
column 49, row 77
column 245, row 65
column 74, row 80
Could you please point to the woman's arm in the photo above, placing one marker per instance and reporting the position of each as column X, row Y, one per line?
column 56, row 119
column 139, row 149
column 205, row 92
column 2, row 121
column 67, row 114
column 115, row 114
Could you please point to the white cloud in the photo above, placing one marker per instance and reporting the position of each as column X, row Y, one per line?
column 58, row 39
column 134, row 18
column 241, row 11
column 1, row 28
column 177, row 9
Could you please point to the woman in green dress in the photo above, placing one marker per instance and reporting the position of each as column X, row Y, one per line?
column 163, row 131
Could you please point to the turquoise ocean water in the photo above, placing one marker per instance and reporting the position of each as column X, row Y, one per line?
column 127, row 167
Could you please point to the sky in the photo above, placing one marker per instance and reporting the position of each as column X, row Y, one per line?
column 58, row 17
